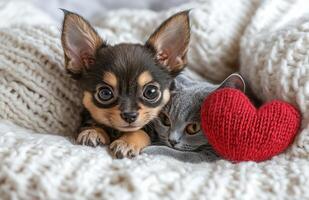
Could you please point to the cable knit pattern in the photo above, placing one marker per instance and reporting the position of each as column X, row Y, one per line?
column 240, row 132
column 51, row 167
column 41, row 166
column 274, row 58
column 35, row 90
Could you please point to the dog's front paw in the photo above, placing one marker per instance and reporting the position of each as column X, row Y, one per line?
column 93, row 137
column 130, row 144
column 121, row 149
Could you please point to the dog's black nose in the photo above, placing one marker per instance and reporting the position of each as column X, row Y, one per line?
column 172, row 142
column 129, row 117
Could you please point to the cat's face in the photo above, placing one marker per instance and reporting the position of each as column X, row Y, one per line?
column 178, row 125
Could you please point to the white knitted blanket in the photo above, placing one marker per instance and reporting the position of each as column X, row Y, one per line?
column 269, row 38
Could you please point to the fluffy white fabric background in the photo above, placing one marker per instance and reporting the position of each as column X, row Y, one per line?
column 36, row 166
column 275, row 59
column 41, row 166
column 94, row 7
column 35, row 91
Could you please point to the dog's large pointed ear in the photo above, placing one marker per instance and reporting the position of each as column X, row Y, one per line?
column 171, row 40
column 234, row 81
column 80, row 42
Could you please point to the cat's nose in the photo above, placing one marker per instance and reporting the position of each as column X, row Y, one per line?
column 172, row 142
column 129, row 117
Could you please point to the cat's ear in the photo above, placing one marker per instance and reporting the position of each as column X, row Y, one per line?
column 180, row 82
column 234, row 81
column 80, row 43
column 170, row 42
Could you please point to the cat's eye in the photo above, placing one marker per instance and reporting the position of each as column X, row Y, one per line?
column 164, row 119
column 151, row 92
column 193, row 128
column 105, row 93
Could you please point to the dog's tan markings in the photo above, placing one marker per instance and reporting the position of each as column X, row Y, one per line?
column 110, row 79
column 144, row 78
column 93, row 136
column 130, row 144
column 166, row 96
column 106, row 116
column 99, row 114
column 148, row 113
column 111, row 116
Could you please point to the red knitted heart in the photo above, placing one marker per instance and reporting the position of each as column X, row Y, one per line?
column 240, row 132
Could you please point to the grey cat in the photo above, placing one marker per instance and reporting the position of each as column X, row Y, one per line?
column 177, row 130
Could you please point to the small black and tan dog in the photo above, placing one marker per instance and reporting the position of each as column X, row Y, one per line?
column 125, row 85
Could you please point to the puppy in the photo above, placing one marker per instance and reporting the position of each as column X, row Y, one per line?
column 124, row 85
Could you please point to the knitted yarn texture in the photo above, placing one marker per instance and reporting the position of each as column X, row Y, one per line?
column 240, row 132
column 43, row 166
column 275, row 59
column 35, row 91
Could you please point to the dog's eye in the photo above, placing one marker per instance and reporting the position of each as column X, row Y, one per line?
column 105, row 93
column 164, row 119
column 151, row 92
column 193, row 128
